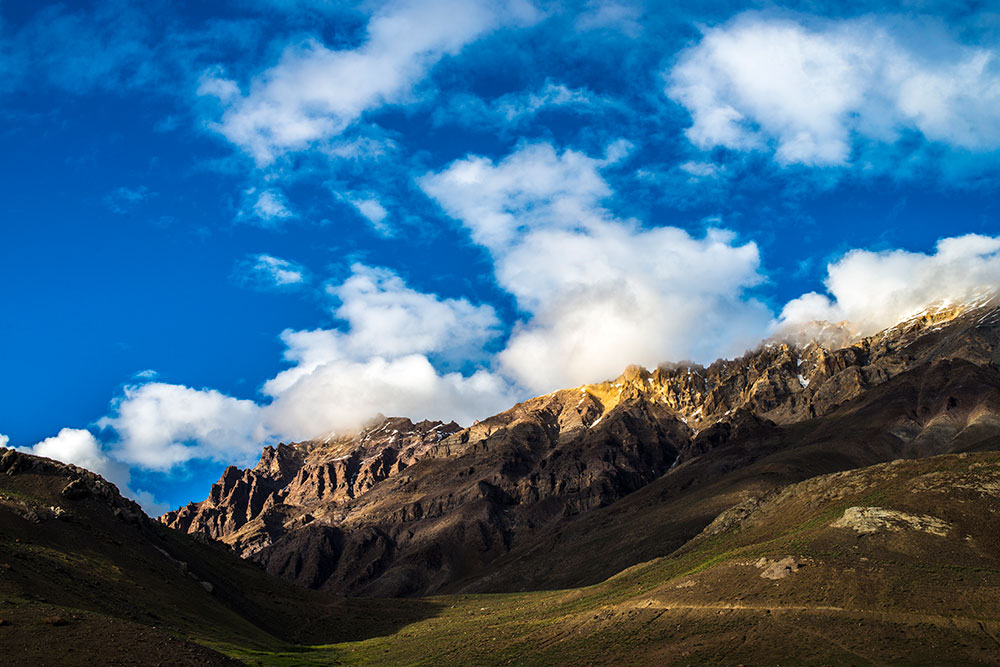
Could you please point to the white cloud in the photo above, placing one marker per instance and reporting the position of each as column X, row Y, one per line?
column 810, row 90
column 339, row 394
column 875, row 290
column 161, row 425
column 386, row 317
column 80, row 447
column 372, row 210
column 387, row 360
column 268, row 271
column 4, row 440
column 313, row 93
column 266, row 208
column 601, row 292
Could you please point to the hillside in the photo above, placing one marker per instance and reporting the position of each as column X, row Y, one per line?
column 632, row 467
column 894, row 563
column 85, row 573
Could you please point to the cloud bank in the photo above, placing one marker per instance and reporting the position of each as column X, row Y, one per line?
column 810, row 90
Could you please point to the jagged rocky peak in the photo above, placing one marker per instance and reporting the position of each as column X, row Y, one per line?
column 280, row 463
column 332, row 469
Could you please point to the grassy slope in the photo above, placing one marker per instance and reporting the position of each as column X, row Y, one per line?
column 889, row 597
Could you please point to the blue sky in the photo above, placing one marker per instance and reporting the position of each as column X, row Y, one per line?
column 229, row 224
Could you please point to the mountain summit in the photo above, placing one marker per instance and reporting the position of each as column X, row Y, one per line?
column 631, row 468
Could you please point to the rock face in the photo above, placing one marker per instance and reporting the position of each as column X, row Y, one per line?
column 326, row 473
column 403, row 508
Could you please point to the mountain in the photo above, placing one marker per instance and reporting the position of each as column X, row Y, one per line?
column 630, row 469
column 896, row 563
column 803, row 504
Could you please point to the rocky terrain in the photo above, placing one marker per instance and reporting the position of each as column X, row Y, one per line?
column 895, row 563
column 633, row 467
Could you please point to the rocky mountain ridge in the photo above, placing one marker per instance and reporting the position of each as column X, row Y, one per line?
column 405, row 508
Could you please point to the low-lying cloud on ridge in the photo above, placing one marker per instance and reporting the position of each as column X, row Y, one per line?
column 876, row 289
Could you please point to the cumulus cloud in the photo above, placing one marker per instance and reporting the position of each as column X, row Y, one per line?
column 811, row 90
column 601, row 292
column 160, row 425
column 265, row 271
column 387, row 357
column 4, row 440
column 875, row 290
column 80, row 447
column 314, row 93
column 386, row 317
column 340, row 394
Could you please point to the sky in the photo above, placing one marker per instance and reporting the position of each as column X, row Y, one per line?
column 232, row 224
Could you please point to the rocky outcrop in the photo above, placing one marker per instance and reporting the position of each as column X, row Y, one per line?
column 81, row 485
column 868, row 520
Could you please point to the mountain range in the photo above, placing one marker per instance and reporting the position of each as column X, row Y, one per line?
column 826, row 498
column 633, row 467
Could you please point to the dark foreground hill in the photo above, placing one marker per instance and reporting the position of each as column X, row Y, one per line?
column 87, row 578
column 897, row 563
column 630, row 469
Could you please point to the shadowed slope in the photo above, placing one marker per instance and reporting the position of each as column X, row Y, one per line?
column 71, row 547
